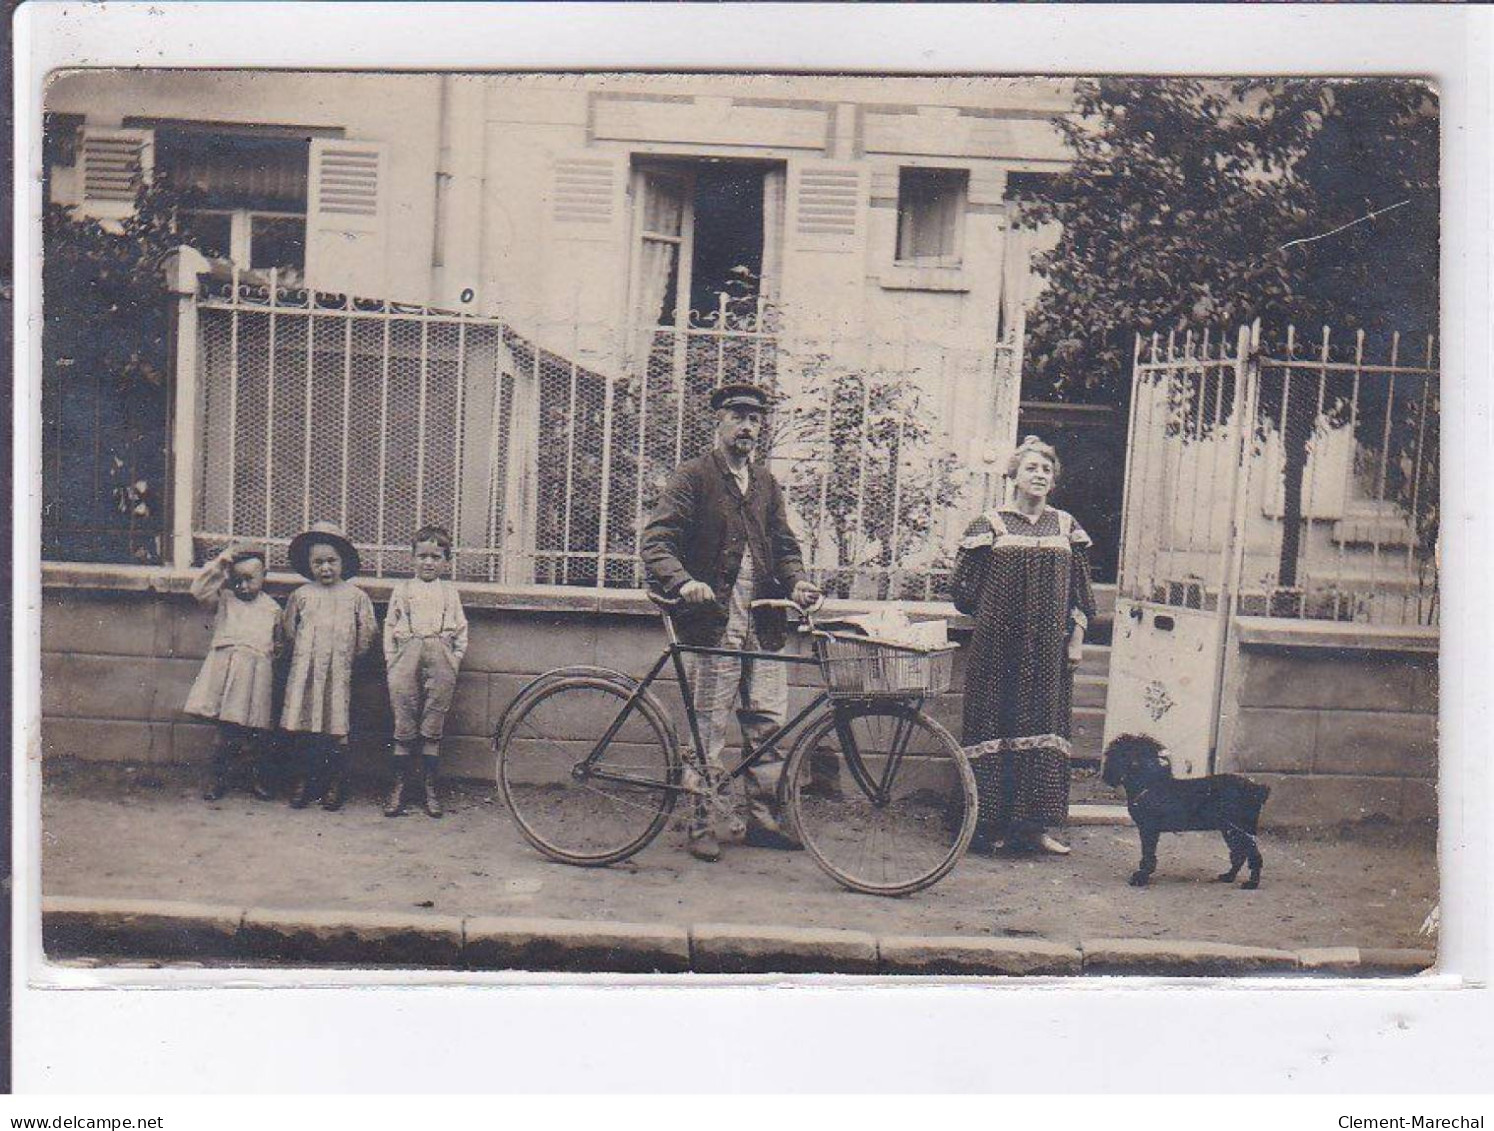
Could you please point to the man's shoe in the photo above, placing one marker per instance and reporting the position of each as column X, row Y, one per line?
column 759, row 837
column 704, row 847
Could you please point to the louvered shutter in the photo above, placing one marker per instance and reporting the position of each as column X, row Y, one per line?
column 588, row 194
column 828, row 206
column 114, row 164
column 346, row 224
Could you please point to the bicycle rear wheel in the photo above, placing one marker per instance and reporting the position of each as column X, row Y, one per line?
column 584, row 811
column 882, row 796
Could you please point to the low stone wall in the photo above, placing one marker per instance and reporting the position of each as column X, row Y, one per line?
column 1339, row 719
column 121, row 646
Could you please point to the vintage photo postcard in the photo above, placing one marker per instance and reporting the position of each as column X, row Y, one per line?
column 740, row 523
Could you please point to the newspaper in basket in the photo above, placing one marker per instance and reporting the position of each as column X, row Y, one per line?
column 860, row 666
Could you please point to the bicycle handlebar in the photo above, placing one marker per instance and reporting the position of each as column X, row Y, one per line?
column 670, row 604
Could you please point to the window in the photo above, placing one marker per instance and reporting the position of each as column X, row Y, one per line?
column 246, row 193
column 930, row 216
column 706, row 229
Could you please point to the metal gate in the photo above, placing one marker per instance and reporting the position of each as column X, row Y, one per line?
column 1285, row 483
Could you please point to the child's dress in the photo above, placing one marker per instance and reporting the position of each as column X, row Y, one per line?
column 236, row 683
column 425, row 637
column 328, row 627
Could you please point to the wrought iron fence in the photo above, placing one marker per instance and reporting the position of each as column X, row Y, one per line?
column 384, row 417
column 1299, row 481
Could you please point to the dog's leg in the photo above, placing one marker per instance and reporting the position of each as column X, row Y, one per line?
column 1142, row 876
column 1237, row 852
column 1255, row 864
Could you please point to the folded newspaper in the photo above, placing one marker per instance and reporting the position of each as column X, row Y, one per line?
column 890, row 625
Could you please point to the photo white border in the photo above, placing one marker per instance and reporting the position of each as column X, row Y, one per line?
column 1075, row 1036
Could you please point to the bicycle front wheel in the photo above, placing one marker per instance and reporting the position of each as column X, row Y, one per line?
column 574, row 807
column 882, row 796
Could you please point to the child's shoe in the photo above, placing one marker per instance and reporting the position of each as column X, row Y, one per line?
column 217, row 780
column 432, row 798
column 333, row 794
column 394, row 804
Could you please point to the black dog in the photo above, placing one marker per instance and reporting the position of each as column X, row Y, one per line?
column 1160, row 803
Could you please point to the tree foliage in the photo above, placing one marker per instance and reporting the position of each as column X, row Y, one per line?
column 870, row 470
column 106, row 327
column 1195, row 203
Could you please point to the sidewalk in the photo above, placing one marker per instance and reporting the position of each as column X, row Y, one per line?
column 114, row 834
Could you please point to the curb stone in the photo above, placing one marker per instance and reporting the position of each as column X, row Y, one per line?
column 1396, row 962
column 725, row 948
column 1182, row 959
column 139, row 927
column 956, row 954
column 83, row 932
column 1329, row 960
column 353, row 936
column 495, row 943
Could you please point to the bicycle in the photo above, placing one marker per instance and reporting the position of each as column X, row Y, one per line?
column 878, row 792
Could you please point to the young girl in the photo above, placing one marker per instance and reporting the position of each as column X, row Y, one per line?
column 425, row 636
column 237, row 679
column 328, row 624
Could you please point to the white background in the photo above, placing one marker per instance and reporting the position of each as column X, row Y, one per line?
column 1435, row 1035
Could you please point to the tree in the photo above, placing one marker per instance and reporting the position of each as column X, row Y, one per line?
column 867, row 468
column 1196, row 203
column 106, row 327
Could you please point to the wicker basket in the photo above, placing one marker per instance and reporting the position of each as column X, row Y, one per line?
column 855, row 666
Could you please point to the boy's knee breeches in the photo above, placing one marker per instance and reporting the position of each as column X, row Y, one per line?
column 422, row 681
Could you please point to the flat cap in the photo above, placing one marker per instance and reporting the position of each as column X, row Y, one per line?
column 740, row 396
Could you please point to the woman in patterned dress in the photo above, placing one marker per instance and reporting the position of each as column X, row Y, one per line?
column 1022, row 573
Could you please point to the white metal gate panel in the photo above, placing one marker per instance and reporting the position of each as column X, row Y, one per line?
column 1178, row 547
column 1291, row 483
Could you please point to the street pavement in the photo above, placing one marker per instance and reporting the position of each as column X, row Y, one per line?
column 142, row 834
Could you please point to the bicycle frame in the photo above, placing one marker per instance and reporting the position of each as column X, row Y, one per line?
column 674, row 654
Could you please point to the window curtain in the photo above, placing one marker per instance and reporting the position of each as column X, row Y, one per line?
column 663, row 213
column 928, row 220
column 775, row 196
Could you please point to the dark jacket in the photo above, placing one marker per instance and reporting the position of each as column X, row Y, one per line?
column 700, row 529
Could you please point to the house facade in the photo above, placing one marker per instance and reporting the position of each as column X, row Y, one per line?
column 838, row 238
column 501, row 303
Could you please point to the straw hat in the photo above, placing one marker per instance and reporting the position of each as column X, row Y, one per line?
column 332, row 535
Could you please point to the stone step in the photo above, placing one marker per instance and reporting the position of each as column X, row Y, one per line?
column 1096, row 662
column 1087, row 738
column 1090, row 690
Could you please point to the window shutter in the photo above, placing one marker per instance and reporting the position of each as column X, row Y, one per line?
column 115, row 163
column 347, row 180
column 588, row 193
column 346, row 228
column 828, row 205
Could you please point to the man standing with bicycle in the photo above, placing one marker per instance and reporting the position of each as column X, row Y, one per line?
column 718, row 540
